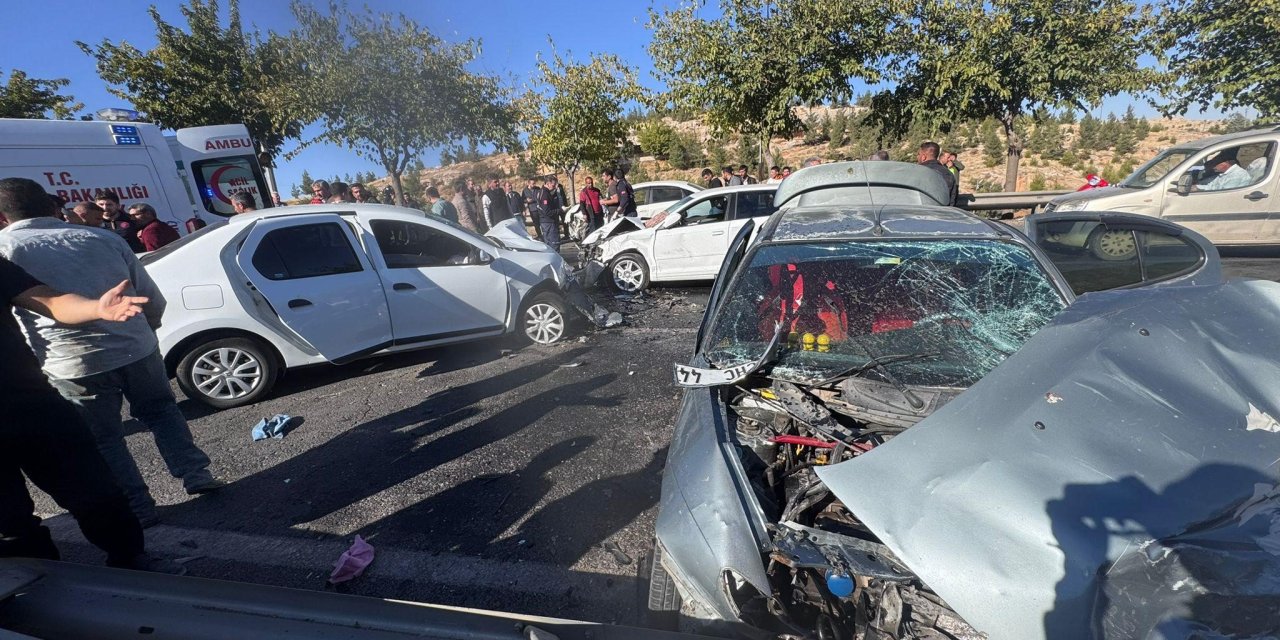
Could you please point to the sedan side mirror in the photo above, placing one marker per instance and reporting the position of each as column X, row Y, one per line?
column 484, row 257
column 671, row 220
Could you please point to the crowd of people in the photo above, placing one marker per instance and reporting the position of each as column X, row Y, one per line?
column 78, row 338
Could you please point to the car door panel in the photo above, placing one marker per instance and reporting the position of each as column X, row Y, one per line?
column 695, row 247
column 1109, row 250
column 439, row 287
column 1230, row 216
column 320, row 284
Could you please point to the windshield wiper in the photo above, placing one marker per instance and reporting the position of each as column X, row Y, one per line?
column 877, row 364
column 853, row 372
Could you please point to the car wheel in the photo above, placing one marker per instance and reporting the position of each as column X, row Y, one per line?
column 1112, row 245
column 544, row 320
column 629, row 273
column 227, row 372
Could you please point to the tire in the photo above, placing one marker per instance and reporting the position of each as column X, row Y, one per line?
column 1112, row 246
column 254, row 369
column 544, row 319
column 663, row 594
column 628, row 273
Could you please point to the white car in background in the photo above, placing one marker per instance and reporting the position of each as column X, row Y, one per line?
column 294, row 286
column 654, row 197
column 688, row 244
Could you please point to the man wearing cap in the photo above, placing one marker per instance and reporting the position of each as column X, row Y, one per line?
column 1227, row 174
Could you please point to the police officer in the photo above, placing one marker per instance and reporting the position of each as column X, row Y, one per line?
column 552, row 209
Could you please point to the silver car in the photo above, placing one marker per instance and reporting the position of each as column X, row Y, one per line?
column 896, row 425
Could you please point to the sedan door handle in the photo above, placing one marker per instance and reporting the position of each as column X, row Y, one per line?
column 1255, row 196
column 298, row 303
column 403, row 286
column 717, row 233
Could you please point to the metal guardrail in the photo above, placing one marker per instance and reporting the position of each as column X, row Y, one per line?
column 1009, row 200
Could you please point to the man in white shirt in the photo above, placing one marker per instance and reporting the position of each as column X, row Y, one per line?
column 1227, row 174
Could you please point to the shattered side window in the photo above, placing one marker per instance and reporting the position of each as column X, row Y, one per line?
column 943, row 312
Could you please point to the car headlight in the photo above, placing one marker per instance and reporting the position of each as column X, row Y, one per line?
column 1073, row 205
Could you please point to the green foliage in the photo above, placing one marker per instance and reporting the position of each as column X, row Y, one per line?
column 812, row 129
column 1089, row 137
column 1236, row 122
column 685, row 152
column 574, row 117
column 750, row 66
column 657, row 138
column 306, row 183
column 390, row 89
column 209, row 74
column 411, row 182
column 747, row 152
column 1037, row 183
column 525, row 167
column 993, row 152
column 1221, row 53
column 26, row 97
column 1005, row 58
column 838, row 131
column 1068, row 158
column 717, row 157
column 1068, row 116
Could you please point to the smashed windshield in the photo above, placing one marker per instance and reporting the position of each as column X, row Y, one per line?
column 936, row 312
column 1156, row 169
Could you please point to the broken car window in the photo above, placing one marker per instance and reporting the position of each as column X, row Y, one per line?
column 1093, row 257
column 967, row 303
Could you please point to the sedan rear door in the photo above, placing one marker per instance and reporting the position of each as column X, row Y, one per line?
column 1110, row 250
column 313, row 273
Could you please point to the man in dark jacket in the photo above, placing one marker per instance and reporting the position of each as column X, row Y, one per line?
column 711, row 179
column 533, row 203
column 515, row 201
column 928, row 157
column 494, row 204
column 552, row 209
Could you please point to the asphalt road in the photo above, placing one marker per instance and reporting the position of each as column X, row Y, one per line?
column 491, row 475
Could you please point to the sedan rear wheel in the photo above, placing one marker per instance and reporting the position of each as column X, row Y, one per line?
column 227, row 372
column 629, row 273
column 544, row 320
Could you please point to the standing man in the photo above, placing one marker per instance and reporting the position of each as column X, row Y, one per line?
column 775, row 175
column 623, row 196
column 320, row 193
column 115, row 219
column 589, row 198
column 152, row 233
column 515, row 201
column 467, row 216
column 98, row 366
column 952, row 163
column 728, row 178
column 711, row 179
column 494, row 202
column 533, row 197
column 743, row 176
column 440, row 206
column 928, row 157
column 242, row 202
column 362, row 194
column 44, row 437
column 879, row 156
column 341, row 194
column 89, row 213
column 552, row 210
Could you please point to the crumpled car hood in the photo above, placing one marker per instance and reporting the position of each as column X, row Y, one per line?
column 613, row 228
column 1114, row 478
column 511, row 232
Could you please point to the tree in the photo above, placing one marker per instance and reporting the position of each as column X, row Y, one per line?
column 306, row 183
column 1222, row 54
column 389, row 89
column 749, row 68
column 411, row 182
column 685, row 152
column 1005, row 58
column 210, row 74
column 992, row 151
column 574, row 114
column 27, row 97
column 656, row 138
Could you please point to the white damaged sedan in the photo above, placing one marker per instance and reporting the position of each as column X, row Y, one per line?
column 296, row 286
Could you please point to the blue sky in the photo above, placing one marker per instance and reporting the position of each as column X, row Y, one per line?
column 39, row 38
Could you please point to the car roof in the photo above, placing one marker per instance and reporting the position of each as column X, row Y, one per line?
column 1260, row 131
column 307, row 209
column 667, row 183
column 858, row 222
column 736, row 189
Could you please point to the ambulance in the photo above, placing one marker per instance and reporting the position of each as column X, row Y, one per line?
column 188, row 176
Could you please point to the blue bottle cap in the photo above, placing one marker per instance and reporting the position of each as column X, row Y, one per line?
column 840, row 585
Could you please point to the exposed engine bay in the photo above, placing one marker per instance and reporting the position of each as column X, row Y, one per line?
column 831, row 577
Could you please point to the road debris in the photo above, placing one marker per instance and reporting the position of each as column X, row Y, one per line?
column 614, row 550
column 276, row 426
column 352, row 562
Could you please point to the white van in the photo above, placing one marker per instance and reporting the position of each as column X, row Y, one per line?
column 191, row 174
column 1178, row 186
